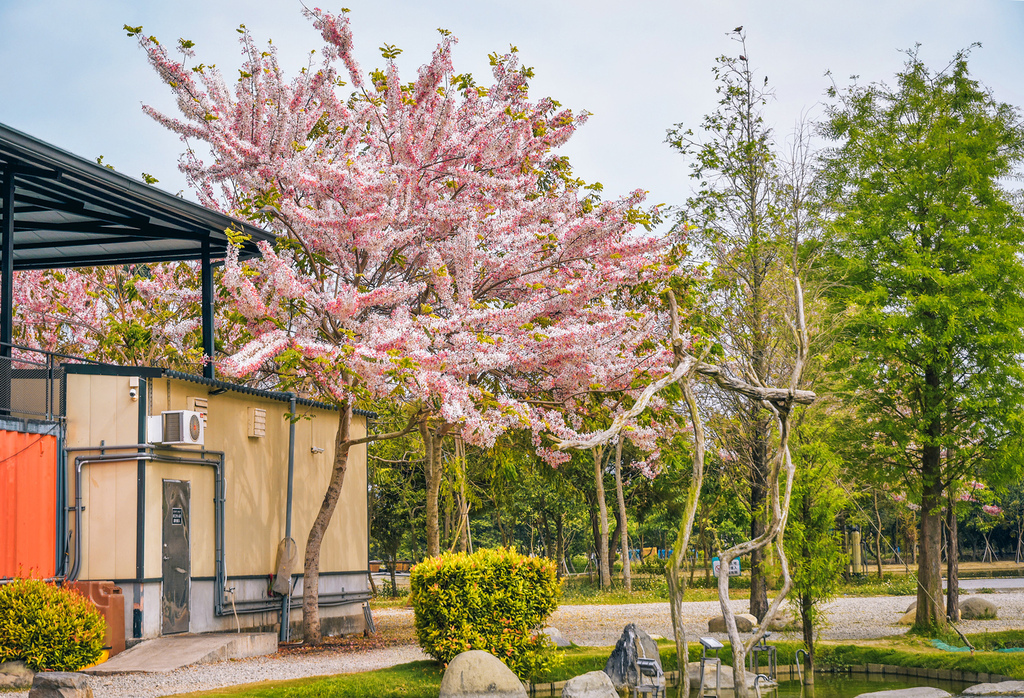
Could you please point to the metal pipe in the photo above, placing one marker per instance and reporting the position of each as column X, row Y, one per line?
column 209, row 370
column 285, row 630
column 757, row 684
column 799, row 664
column 140, row 456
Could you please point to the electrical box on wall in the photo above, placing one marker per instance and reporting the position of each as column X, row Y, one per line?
column 177, row 427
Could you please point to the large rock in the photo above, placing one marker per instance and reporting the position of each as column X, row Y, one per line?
column 596, row 684
column 744, row 623
column 977, row 608
column 913, row 606
column 621, row 666
column 908, row 618
column 784, row 621
column 555, row 635
column 479, row 674
column 15, row 674
column 916, row 692
column 1003, row 688
column 60, row 684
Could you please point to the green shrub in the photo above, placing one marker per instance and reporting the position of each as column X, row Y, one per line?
column 579, row 563
column 50, row 627
column 493, row 600
column 652, row 565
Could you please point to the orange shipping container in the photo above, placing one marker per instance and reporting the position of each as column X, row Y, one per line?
column 28, row 504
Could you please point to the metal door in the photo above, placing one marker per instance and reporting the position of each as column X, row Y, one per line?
column 177, row 554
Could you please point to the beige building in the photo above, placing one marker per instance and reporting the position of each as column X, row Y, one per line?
column 178, row 490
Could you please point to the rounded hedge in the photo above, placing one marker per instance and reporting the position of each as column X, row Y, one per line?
column 49, row 627
column 493, row 600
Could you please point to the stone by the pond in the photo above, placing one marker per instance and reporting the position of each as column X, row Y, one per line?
column 744, row 623
column 711, row 674
column 595, row 684
column 1003, row 688
column 556, row 636
column 977, row 608
column 783, row 621
column 59, row 684
column 479, row 674
column 916, row 692
column 15, row 674
column 621, row 666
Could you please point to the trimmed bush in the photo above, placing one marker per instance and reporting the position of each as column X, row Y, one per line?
column 493, row 600
column 51, row 628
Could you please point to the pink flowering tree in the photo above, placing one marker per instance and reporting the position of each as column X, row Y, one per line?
column 432, row 247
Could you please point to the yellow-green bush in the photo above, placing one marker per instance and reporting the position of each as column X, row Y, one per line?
column 50, row 627
column 493, row 600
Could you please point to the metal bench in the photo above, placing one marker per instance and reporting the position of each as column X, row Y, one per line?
column 709, row 643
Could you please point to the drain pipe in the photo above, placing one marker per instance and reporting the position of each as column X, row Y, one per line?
column 286, row 604
column 146, row 452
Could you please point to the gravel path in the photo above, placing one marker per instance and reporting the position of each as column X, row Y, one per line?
column 845, row 618
column 597, row 625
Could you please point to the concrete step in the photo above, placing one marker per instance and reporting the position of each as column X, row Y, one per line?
column 175, row 651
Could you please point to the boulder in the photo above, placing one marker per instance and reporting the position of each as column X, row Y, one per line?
column 913, row 605
column 916, row 692
column 1003, row 688
column 59, row 684
column 977, row 608
column 908, row 618
column 784, row 621
column 15, row 674
column 556, row 637
column 479, row 674
column 621, row 665
column 744, row 623
column 595, row 684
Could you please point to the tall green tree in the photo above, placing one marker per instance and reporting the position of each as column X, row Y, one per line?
column 929, row 244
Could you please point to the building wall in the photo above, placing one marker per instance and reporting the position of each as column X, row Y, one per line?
column 256, row 469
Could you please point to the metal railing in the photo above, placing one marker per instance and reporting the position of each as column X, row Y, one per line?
column 32, row 382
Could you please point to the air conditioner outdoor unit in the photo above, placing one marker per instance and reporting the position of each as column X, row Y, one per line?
column 177, row 427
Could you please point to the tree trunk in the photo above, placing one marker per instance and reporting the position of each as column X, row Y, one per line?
column 434, row 472
column 758, row 497
column 311, row 634
column 807, row 603
column 627, row 577
column 602, row 549
column 952, row 564
column 559, row 545
column 878, row 537
column 930, row 613
column 613, row 545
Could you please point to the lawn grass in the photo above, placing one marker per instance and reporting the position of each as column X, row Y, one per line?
column 423, row 679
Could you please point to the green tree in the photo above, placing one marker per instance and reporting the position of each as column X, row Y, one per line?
column 928, row 244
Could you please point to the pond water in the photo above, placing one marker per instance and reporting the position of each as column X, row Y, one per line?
column 845, row 686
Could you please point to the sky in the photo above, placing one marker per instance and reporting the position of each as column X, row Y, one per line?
column 70, row 76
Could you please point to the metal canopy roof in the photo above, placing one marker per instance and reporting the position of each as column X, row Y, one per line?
column 59, row 210
column 71, row 212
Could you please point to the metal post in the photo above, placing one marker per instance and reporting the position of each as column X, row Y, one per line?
column 7, row 290
column 286, row 602
column 208, row 367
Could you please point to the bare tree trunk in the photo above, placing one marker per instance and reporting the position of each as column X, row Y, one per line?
column 930, row 613
column 878, row 537
column 758, row 486
column 434, row 471
column 952, row 563
column 465, row 538
column 807, row 604
column 602, row 543
column 627, row 577
column 311, row 634
column 559, row 545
